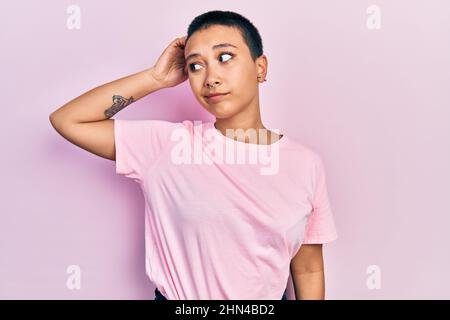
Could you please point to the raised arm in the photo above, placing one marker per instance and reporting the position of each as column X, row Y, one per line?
column 85, row 121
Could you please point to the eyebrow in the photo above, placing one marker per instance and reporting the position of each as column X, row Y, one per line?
column 217, row 46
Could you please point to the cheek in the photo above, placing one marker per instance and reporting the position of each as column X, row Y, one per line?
column 244, row 83
column 196, row 84
column 243, row 74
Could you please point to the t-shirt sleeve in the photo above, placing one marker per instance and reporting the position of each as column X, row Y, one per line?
column 320, row 227
column 138, row 144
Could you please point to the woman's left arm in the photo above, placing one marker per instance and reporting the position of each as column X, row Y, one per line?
column 307, row 272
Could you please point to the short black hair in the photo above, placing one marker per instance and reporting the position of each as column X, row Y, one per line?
column 249, row 32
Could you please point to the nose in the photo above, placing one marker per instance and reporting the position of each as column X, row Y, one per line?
column 212, row 80
column 212, row 84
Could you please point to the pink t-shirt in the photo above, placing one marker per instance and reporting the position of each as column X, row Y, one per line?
column 220, row 229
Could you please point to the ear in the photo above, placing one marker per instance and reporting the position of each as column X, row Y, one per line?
column 261, row 66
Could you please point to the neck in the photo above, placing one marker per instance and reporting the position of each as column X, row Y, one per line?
column 248, row 118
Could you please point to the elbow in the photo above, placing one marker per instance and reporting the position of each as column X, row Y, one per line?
column 52, row 119
column 57, row 121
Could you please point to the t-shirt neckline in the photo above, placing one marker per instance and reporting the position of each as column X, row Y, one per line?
column 281, row 141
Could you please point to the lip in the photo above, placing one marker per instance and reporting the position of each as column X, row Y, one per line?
column 216, row 96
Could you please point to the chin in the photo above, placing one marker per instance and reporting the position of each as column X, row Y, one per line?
column 220, row 111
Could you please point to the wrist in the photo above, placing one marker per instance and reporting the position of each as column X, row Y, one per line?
column 154, row 82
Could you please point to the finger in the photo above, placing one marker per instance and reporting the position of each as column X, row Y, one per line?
column 176, row 42
column 182, row 40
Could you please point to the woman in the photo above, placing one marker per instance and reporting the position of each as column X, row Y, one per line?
column 214, row 228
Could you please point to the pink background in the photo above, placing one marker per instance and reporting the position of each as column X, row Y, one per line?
column 374, row 103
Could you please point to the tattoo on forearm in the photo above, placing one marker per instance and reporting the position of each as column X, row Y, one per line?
column 119, row 103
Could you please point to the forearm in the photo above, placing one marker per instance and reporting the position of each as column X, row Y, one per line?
column 104, row 101
column 309, row 285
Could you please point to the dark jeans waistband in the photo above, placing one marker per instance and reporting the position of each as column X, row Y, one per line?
column 160, row 296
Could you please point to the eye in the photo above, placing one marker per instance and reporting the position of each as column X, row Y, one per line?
column 222, row 54
column 226, row 53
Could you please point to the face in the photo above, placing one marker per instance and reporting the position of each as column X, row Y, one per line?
column 223, row 69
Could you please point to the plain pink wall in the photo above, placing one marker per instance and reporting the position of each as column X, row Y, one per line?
column 373, row 102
